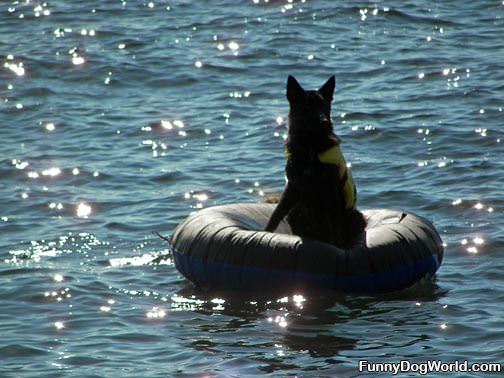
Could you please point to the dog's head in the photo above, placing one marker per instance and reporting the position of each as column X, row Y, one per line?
column 310, row 111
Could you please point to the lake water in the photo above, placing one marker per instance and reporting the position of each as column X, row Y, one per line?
column 119, row 118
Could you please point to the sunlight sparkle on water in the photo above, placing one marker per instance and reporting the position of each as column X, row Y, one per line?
column 237, row 94
column 233, row 45
column 282, row 322
column 479, row 206
column 59, row 325
column 298, row 300
column 363, row 14
column 33, row 175
column 58, row 277
column 78, row 60
column 219, row 304
column 54, row 205
column 156, row 313
column 18, row 68
column 186, row 304
column 20, row 164
column 54, row 171
column 83, row 210
column 166, row 124
column 201, row 196
column 178, row 123
column 59, row 32
column 144, row 259
column 40, row 10
column 478, row 240
column 481, row 131
column 472, row 250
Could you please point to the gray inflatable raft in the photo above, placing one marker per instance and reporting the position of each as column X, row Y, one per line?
column 224, row 247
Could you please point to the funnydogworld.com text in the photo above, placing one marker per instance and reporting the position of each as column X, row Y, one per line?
column 431, row 366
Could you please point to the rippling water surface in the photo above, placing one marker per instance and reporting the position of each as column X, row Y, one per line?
column 119, row 118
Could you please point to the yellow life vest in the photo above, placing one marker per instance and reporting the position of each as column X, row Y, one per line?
column 334, row 156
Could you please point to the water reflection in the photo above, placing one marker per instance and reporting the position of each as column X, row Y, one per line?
column 319, row 345
column 320, row 324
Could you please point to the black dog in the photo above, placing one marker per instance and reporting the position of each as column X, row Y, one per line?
column 319, row 199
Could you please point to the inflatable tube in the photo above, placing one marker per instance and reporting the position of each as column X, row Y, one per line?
column 221, row 247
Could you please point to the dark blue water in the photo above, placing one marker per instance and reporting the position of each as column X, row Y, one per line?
column 120, row 118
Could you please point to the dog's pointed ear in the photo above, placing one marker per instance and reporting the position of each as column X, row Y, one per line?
column 294, row 91
column 327, row 89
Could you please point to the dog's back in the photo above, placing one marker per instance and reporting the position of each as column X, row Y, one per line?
column 320, row 198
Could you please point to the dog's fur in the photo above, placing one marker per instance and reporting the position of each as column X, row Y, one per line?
column 313, row 198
